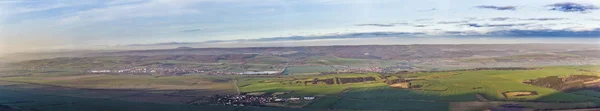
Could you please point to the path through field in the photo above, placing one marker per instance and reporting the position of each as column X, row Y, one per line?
column 237, row 88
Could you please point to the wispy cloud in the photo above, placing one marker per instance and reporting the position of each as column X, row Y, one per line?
column 425, row 19
column 496, row 25
column 523, row 33
column 451, row 22
column 134, row 9
column 501, row 18
column 545, row 33
column 572, row 7
column 16, row 1
column 545, row 19
column 376, row 25
column 497, row 7
column 34, row 8
column 192, row 30
column 419, row 25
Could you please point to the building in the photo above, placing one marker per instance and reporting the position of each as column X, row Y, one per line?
column 309, row 97
column 260, row 72
column 278, row 100
column 294, row 99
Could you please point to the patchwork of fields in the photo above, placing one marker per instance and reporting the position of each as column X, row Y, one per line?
column 428, row 91
column 436, row 89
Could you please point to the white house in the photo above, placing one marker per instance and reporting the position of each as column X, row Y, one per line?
column 294, row 99
column 309, row 97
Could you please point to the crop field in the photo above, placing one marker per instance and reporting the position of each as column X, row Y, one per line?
column 288, row 84
column 268, row 60
column 385, row 93
column 352, row 62
column 438, row 89
column 191, row 82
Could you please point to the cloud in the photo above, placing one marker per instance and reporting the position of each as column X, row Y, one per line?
column 134, row 9
column 419, row 25
column 451, row 22
column 564, row 33
column 338, row 36
column 496, row 25
column 545, row 19
column 192, row 30
column 426, row 19
column 572, row 7
column 35, row 8
column 402, row 23
column 376, row 25
column 497, row 7
column 594, row 33
column 500, row 18
column 527, row 19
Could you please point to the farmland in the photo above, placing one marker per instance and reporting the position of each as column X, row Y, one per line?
column 436, row 90
column 330, row 78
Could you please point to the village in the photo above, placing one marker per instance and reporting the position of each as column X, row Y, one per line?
column 174, row 71
column 211, row 71
column 253, row 99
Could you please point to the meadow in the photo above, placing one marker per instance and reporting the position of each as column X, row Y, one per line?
column 438, row 88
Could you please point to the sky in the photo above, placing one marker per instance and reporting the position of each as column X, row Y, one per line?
column 33, row 25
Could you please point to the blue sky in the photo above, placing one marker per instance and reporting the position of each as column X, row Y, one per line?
column 57, row 24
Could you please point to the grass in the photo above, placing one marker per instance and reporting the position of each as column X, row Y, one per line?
column 324, row 102
column 438, row 89
column 131, row 82
column 385, row 93
column 31, row 101
column 390, row 105
column 448, row 86
column 590, row 93
column 492, row 82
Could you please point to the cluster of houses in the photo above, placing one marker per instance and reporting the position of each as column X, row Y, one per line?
column 174, row 71
column 252, row 100
column 360, row 70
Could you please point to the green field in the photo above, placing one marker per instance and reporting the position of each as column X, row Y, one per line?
column 30, row 101
column 438, row 88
